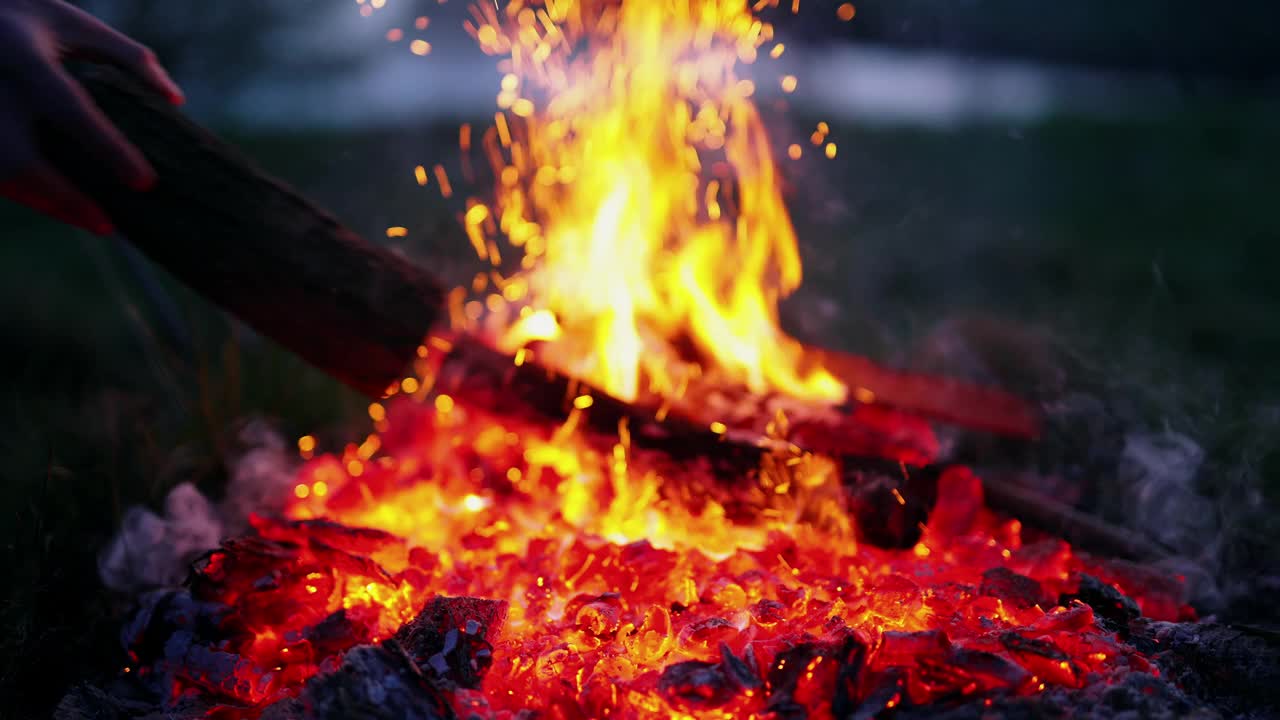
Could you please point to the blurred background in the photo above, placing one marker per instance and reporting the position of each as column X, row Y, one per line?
column 1074, row 200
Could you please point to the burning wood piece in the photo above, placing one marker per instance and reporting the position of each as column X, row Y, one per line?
column 1088, row 531
column 1238, row 668
column 361, row 313
column 287, row 622
column 950, row 401
column 254, row 246
column 381, row 590
column 450, row 640
column 373, row 683
column 357, row 311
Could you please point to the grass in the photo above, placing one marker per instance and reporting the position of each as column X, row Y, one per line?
column 1142, row 247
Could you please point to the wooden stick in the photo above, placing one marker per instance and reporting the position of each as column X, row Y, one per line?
column 482, row 377
column 1087, row 532
column 945, row 400
column 254, row 246
column 358, row 312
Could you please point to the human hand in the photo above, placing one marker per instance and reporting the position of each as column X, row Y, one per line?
column 36, row 92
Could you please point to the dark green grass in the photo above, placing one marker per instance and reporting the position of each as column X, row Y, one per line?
column 1146, row 247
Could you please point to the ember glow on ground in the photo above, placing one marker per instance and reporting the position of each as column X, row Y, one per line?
column 640, row 242
column 611, row 578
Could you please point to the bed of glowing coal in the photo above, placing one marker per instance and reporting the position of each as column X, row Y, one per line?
column 457, row 564
column 466, row 560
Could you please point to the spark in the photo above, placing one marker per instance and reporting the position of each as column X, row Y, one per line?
column 445, row 188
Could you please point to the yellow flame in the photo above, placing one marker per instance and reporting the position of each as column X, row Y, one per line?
column 636, row 177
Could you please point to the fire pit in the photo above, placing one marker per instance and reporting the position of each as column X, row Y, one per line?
column 613, row 487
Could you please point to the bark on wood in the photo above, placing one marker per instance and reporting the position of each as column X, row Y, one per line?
column 355, row 310
column 943, row 399
column 358, row 312
column 1085, row 531
column 484, row 378
column 254, row 246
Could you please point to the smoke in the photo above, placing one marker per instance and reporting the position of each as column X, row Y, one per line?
column 154, row 550
column 1157, row 472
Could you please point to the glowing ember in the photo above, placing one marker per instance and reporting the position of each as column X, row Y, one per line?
column 611, row 582
column 597, row 579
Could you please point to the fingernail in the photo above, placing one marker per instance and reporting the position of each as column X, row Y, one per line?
column 176, row 96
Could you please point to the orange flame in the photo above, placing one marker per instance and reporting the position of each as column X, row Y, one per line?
column 636, row 178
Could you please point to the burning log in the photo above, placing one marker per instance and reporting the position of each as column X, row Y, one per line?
column 360, row 313
column 513, row 548
column 254, row 246
column 1087, row 531
column 948, row 401
column 357, row 311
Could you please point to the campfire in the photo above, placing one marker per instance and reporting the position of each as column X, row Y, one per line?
column 613, row 486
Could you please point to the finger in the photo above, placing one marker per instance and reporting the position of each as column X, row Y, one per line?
column 62, row 100
column 44, row 190
column 83, row 35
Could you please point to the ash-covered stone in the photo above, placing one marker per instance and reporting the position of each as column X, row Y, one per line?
column 123, row 701
column 1136, row 696
column 1235, row 668
column 373, row 683
column 163, row 613
column 451, row 639
column 87, row 702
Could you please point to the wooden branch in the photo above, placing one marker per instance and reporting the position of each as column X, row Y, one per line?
column 1086, row 532
column 254, row 246
column 484, row 378
column 945, row 400
column 358, row 312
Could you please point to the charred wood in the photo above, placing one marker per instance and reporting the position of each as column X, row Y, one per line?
column 1088, row 532
column 374, row 683
column 255, row 246
column 357, row 311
